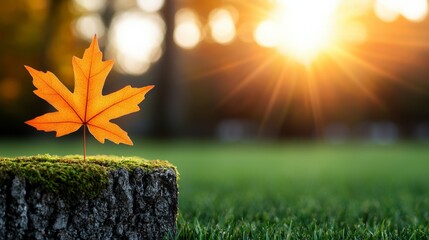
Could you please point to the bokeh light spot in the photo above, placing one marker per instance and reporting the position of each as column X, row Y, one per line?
column 266, row 34
column 87, row 26
column 222, row 26
column 89, row 5
column 135, row 40
column 10, row 89
column 415, row 10
column 150, row 5
column 387, row 10
column 187, row 32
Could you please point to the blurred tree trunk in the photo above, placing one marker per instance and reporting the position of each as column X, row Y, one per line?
column 168, row 110
column 49, row 31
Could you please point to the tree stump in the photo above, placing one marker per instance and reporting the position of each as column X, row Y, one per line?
column 134, row 200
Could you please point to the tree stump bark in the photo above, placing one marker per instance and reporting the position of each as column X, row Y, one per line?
column 135, row 205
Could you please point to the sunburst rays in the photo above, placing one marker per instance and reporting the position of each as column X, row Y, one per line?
column 339, row 64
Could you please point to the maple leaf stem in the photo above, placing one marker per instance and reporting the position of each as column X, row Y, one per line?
column 84, row 142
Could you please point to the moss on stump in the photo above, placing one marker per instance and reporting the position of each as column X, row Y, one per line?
column 104, row 197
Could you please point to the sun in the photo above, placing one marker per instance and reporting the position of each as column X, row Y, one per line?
column 317, row 53
column 300, row 29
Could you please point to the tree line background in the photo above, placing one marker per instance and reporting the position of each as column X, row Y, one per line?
column 232, row 91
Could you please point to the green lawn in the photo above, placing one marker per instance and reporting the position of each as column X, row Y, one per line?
column 284, row 190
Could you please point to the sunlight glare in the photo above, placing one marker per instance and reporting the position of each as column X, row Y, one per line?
column 302, row 28
column 245, row 31
column 357, row 7
column 355, row 33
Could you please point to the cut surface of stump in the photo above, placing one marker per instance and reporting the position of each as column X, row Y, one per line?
column 104, row 197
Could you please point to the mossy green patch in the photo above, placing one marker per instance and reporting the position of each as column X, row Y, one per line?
column 71, row 175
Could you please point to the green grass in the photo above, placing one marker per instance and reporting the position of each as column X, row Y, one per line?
column 285, row 190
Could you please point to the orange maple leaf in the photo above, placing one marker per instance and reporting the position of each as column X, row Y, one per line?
column 86, row 106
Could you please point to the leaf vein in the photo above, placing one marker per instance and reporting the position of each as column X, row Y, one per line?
column 105, row 129
column 57, row 93
column 112, row 105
